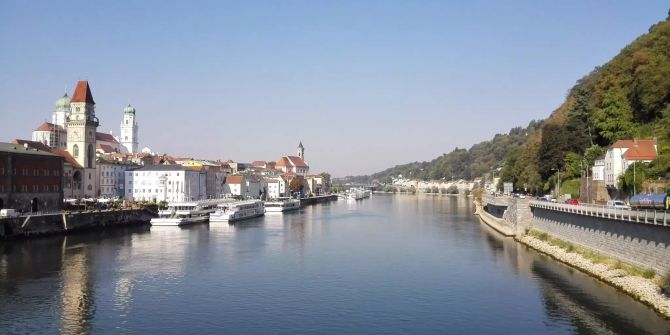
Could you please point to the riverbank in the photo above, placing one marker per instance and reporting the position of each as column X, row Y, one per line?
column 644, row 290
column 61, row 223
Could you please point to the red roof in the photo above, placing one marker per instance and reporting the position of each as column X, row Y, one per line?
column 234, row 179
column 259, row 163
column 46, row 126
column 105, row 148
column 82, row 93
column 291, row 161
column 105, row 138
column 33, row 144
column 68, row 157
column 632, row 143
column 641, row 153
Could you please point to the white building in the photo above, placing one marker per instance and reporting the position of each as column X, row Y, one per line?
column 81, row 126
column 598, row 169
column 622, row 154
column 165, row 183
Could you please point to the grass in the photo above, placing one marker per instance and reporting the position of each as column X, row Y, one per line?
column 596, row 257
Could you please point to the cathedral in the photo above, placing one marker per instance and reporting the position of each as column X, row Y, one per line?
column 75, row 117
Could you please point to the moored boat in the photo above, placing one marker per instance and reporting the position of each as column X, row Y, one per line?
column 282, row 205
column 236, row 211
column 183, row 213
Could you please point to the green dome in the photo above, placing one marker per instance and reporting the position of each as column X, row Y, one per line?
column 129, row 110
column 63, row 102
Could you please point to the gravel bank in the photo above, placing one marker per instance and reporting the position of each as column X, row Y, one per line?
column 644, row 290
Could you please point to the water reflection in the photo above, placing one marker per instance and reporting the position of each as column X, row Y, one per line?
column 389, row 264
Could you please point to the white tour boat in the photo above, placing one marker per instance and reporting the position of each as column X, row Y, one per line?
column 237, row 210
column 358, row 194
column 282, row 205
column 183, row 213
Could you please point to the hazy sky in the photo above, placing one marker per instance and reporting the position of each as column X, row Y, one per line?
column 364, row 84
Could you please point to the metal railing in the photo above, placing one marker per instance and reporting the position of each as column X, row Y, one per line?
column 653, row 217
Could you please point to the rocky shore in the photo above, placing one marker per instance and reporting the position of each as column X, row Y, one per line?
column 644, row 290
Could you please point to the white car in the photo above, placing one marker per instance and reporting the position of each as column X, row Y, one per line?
column 618, row 204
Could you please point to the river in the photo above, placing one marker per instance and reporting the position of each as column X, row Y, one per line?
column 387, row 265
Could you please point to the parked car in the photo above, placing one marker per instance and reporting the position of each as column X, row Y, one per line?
column 572, row 201
column 618, row 204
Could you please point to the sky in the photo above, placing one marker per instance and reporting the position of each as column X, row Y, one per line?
column 365, row 85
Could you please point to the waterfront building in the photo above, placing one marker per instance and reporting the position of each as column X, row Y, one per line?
column 129, row 131
column 165, row 183
column 624, row 153
column 235, row 186
column 30, row 179
column 82, row 125
column 314, row 184
column 111, row 177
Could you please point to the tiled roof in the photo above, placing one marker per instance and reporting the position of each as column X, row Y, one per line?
column 46, row 126
column 32, row 144
column 68, row 158
column 291, row 161
column 234, row 179
column 20, row 149
column 82, row 93
column 632, row 143
column 259, row 163
column 105, row 148
column 105, row 137
column 640, row 153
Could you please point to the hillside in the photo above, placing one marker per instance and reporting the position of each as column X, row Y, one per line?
column 628, row 97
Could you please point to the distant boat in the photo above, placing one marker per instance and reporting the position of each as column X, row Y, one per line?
column 236, row 211
column 358, row 193
column 282, row 205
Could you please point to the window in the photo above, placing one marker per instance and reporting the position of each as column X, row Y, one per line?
column 75, row 149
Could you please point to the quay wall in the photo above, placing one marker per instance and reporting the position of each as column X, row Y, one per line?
column 640, row 244
column 317, row 199
column 64, row 222
column 644, row 245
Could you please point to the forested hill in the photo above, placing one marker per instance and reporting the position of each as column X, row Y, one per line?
column 628, row 97
column 460, row 163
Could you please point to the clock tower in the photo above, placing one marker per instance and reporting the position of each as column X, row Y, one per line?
column 82, row 125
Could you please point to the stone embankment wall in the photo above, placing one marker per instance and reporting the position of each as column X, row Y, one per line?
column 640, row 244
column 64, row 222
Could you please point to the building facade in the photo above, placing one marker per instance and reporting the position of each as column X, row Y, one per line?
column 111, row 178
column 30, row 179
column 170, row 183
column 624, row 153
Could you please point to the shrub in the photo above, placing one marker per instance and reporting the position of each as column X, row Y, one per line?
column 649, row 273
column 665, row 283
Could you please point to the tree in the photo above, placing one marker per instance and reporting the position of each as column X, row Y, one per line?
column 631, row 181
column 295, row 185
column 614, row 120
column 553, row 147
column 573, row 166
column 577, row 124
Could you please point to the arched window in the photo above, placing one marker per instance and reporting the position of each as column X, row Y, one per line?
column 90, row 155
column 75, row 151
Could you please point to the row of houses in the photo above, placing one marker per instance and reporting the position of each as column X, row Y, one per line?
column 427, row 186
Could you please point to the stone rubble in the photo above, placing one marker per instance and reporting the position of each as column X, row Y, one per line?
column 642, row 289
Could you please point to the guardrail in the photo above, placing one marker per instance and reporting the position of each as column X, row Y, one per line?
column 653, row 217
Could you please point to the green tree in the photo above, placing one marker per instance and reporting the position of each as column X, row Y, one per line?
column 631, row 181
column 614, row 120
column 553, row 147
column 577, row 124
column 573, row 167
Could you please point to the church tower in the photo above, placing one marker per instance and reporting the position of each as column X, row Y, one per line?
column 301, row 151
column 129, row 127
column 82, row 125
column 62, row 111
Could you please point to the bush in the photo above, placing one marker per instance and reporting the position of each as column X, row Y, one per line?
column 452, row 189
column 649, row 273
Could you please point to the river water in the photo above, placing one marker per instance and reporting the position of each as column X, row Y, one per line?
column 387, row 265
